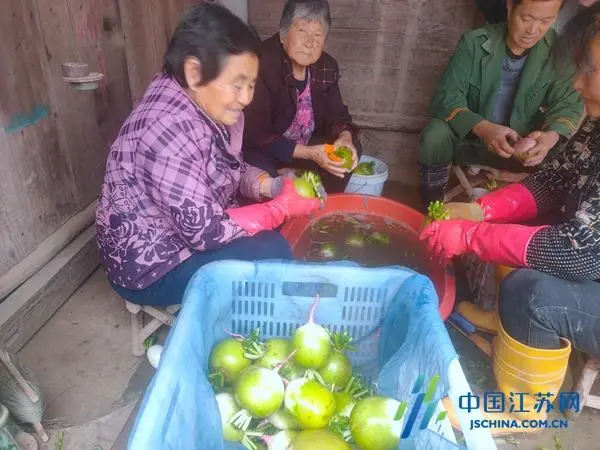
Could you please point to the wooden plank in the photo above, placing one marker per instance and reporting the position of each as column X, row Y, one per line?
column 47, row 250
column 86, row 31
column 37, row 194
column 138, row 33
column 28, row 308
column 147, row 28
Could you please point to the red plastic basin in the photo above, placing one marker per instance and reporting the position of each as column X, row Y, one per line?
column 442, row 274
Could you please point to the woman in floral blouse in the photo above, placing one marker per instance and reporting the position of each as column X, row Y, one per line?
column 298, row 106
column 168, row 202
column 551, row 303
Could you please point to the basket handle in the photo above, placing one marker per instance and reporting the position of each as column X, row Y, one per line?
column 309, row 289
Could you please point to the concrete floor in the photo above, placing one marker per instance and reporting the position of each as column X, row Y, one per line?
column 92, row 382
column 82, row 358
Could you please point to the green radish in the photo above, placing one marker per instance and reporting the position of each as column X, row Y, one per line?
column 376, row 423
column 283, row 420
column 337, row 371
column 365, row 168
column 327, row 251
column 343, row 155
column 379, row 238
column 260, row 392
column 311, row 342
column 311, row 404
column 355, row 239
column 345, row 401
column 317, row 440
column 436, row 210
column 231, row 356
column 276, row 352
column 226, row 362
column 306, row 185
column 227, row 409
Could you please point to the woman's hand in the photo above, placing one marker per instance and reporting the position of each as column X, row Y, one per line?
column 318, row 154
column 544, row 142
column 345, row 139
column 292, row 203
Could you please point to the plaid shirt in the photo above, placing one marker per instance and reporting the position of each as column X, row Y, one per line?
column 170, row 175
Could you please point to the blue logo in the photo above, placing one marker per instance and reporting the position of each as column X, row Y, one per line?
column 495, row 402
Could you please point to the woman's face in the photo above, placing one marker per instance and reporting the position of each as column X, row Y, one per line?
column 304, row 42
column 587, row 81
column 225, row 97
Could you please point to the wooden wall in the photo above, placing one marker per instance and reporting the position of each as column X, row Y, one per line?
column 391, row 54
column 53, row 139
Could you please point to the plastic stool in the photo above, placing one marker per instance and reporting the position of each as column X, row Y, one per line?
column 141, row 332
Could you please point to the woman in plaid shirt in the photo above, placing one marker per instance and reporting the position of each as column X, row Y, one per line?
column 168, row 202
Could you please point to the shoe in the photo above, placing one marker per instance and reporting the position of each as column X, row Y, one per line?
column 519, row 369
column 486, row 321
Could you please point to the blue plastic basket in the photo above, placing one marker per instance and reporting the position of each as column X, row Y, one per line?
column 392, row 313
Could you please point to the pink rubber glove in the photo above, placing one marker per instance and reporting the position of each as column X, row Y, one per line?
column 510, row 204
column 497, row 243
column 269, row 215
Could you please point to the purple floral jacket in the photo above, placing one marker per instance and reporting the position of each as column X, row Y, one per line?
column 170, row 174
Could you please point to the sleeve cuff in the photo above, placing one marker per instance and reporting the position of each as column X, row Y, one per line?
column 462, row 121
column 281, row 149
column 563, row 126
column 250, row 183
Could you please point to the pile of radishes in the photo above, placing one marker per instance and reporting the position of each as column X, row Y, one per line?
column 299, row 394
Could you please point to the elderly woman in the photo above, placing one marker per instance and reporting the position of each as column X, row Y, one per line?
column 297, row 107
column 167, row 205
column 550, row 303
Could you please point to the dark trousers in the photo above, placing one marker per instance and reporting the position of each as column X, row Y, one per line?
column 169, row 290
column 536, row 309
column 331, row 183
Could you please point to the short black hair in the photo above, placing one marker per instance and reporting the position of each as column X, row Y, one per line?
column 575, row 43
column 211, row 33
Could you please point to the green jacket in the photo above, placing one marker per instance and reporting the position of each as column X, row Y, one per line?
column 544, row 100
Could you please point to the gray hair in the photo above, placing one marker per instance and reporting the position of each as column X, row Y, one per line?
column 308, row 10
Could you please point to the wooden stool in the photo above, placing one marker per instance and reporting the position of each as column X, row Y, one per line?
column 139, row 332
column 583, row 387
column 466, row 185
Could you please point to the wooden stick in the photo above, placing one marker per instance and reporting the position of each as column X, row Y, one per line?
column 12, row 369
column 47, row 250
